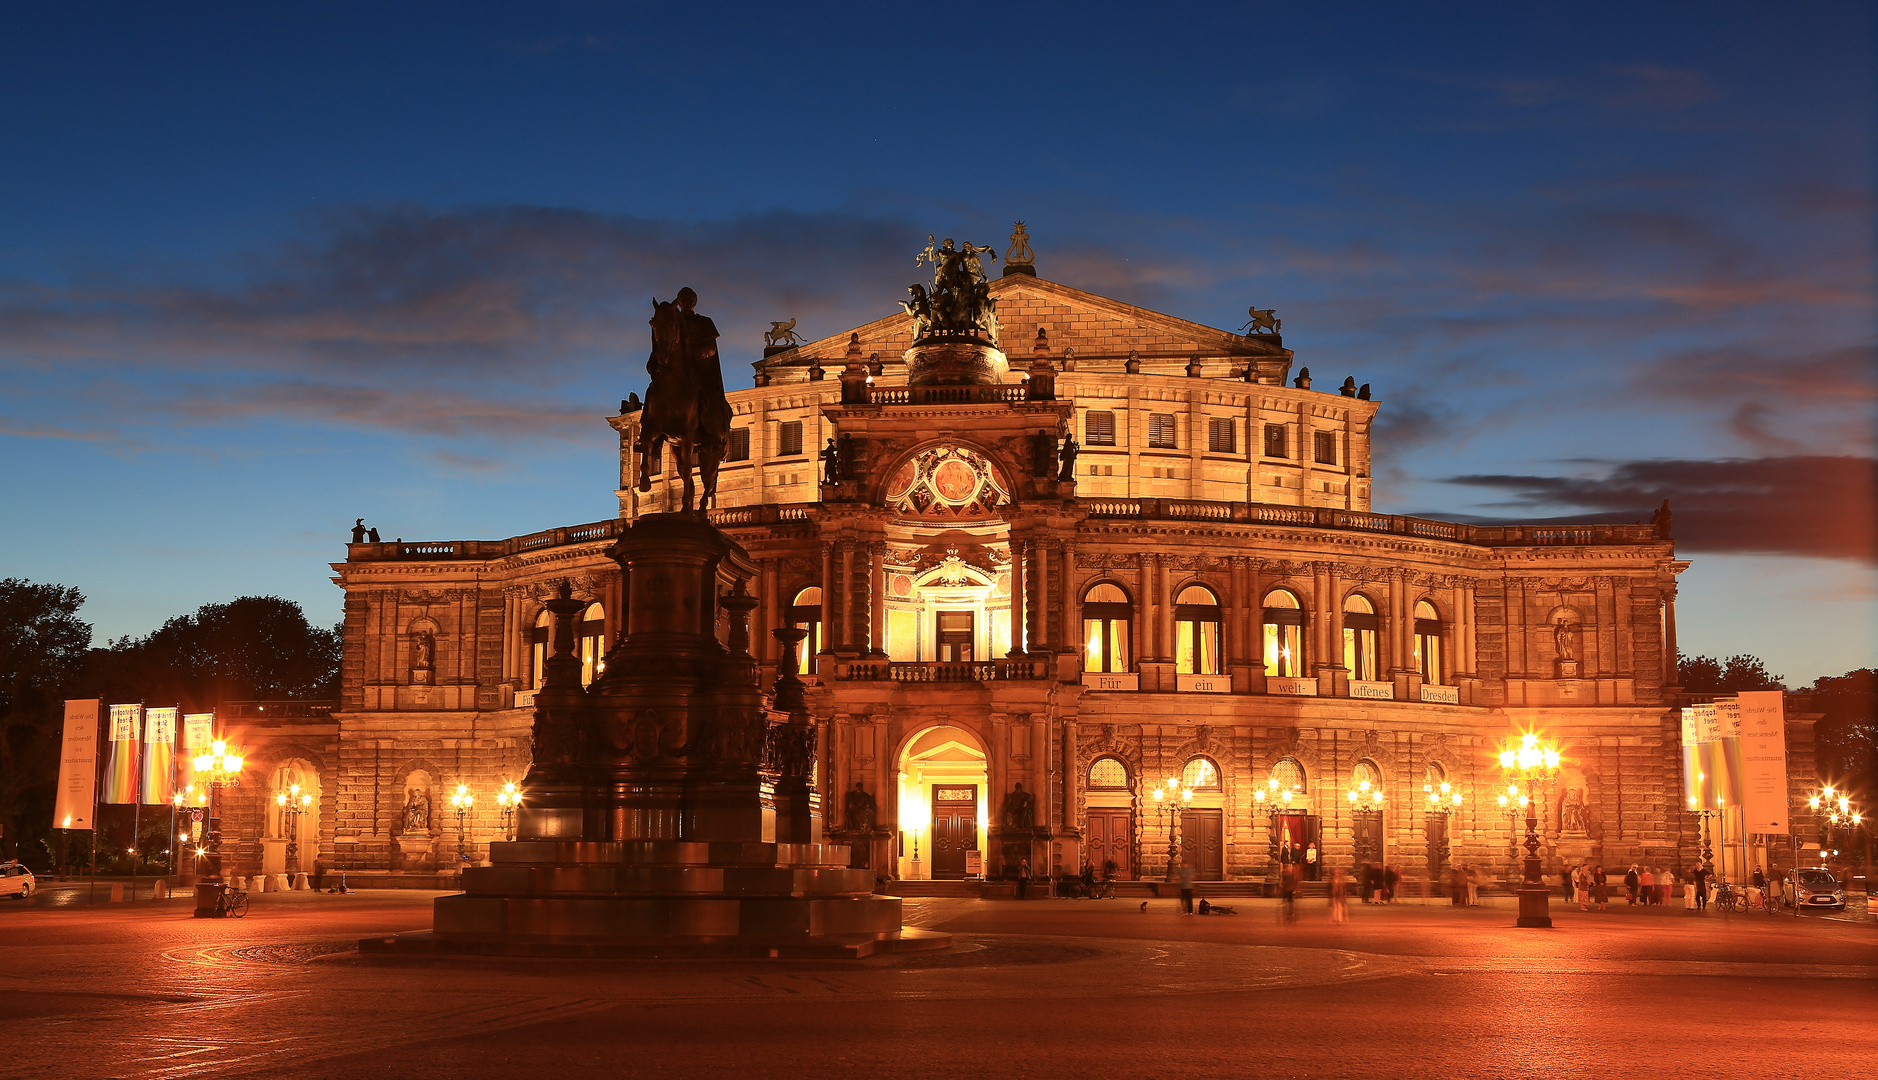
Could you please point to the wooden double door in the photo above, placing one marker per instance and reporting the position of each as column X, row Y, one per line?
column 954, row 828
column 1110, row 837
column 1203, row 843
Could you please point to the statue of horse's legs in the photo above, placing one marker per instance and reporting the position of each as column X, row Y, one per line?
column 648, row 453
column 710, row 455
column 681, row 457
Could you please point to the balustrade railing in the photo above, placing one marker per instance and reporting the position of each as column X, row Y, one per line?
column 938, row 671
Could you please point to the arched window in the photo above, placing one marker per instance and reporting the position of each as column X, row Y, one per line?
column 539, row 640
column 591, row 637
column 1284, row 635
column 1359, row 637
column 1200, row 774
column 1107, row 616
column 1196, row 631
column 1428, row 635
column 806, row 614
column 1289, row 775
column 1366, row 773
column 1108, row 774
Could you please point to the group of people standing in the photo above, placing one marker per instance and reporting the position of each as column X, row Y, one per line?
column 1649, row 886
column 1464, row 886
column 1590, row 885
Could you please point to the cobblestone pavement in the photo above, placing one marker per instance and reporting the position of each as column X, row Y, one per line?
column 1044, row 988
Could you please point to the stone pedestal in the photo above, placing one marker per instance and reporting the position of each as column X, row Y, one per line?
column 955, row 361
column 667, row 812
column 416, row 854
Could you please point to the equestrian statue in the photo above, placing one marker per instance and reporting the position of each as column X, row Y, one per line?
column 685, row 401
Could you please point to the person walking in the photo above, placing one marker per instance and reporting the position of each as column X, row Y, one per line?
column 1581, row 887
column 1023, row 879
column 1600, row 888
column 1339, row 896
column 1646, row 881
column 1701, row 877
column 1186, row 888
column 1631, row 881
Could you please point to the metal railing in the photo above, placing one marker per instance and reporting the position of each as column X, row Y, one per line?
column 976, row 671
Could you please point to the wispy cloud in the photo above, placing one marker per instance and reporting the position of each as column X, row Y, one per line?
column 1809, row 506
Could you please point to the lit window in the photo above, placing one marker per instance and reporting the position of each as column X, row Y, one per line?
column 1359, row 637
column 1107, row 615
column 1428, row 634
column 1219, row 436
column 1200, row 775
column 1196, row 632
column 806, row 614
column 538, row 640
column 953, row 635
column 592, row 637
column 1098, row 428
column 1161, row 431
column 1284, row 635
column 1108, row 774
column 1288, row 774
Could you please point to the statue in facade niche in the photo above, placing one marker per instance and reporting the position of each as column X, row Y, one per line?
column 423, row 650
column 831, row 463
column 685, row 403
column 1564, row 637
column 1019, row 813
column 859, row 811
column 1068, row 455
column 417, row 811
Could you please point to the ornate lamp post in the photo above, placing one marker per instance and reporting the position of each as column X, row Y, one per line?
column 222, row 769
column 1530, row 762
column 508, row 800
column 1840, row 814
column 465, row 804
column 1164, row 798
column 292, row 804
column 1512, row 804
column 1441, row 804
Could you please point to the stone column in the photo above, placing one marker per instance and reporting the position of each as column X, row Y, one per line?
column 1321, row 622
column 1018, row 642
column 770, row 614
column 877, row 591
column 829, row 596
column 1151, row 606
column 1072, row 781
column 1670, row 675
column 1606, row 626
column 850, row 640
column 1071, row 637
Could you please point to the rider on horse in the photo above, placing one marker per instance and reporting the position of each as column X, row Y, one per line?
column 685, row 401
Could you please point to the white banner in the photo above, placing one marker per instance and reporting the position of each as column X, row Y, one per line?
column 1727, row 758
column 1764, row 761
column 198, row 735
column 1691, row 762
column 78, row 766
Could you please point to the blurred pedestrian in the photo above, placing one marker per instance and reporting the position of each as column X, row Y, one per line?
column 1023, row 880
column 1631, row 881
column 1390, row 879
column 1366, row 881
column 1457, row 892
column 1339, row 896
column 1186, row 888
column 1701, row 877
column 1647, row 883
column 1666, row 885
column 1581, row 887
column 1473, row 885
column 1600, row 888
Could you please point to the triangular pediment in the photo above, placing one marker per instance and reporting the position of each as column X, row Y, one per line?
column 1095, row 327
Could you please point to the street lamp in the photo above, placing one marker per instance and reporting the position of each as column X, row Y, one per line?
column 509, row 800
column 465, row 804
column 1512, row 804
column 1442, row 803
column 292, row 804
column 222, row 769
column 1164, row 798
column 1366, row 814
column 1531, row 761
column 1840, row 813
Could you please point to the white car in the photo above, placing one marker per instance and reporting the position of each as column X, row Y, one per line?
column 1818, row 888
column 16, row 880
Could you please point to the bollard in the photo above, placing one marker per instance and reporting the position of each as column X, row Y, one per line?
column 160, row 890
column 117, row 892
column 278, row 883
column 299, row 882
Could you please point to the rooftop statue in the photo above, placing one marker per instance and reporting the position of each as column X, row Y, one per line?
column 1264, row 321
column 782, row 333
column 685, row 402
column 959, row 303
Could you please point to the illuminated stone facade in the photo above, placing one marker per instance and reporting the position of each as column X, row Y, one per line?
column 1204, row 593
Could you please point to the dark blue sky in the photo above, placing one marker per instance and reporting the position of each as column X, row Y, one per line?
column 264, row 272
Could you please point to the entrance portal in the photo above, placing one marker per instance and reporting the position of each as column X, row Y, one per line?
column 942, row 802
column 1202, row 843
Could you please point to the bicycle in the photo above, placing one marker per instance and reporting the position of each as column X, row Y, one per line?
column 233, row 903
column 1728, row 898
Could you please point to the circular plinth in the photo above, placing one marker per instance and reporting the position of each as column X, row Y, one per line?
column 943, row 361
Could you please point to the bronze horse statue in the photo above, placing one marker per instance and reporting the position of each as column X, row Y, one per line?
column 685, row 402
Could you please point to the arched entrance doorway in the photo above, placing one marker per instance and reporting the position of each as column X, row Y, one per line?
column 293, row 839
column 942, row 803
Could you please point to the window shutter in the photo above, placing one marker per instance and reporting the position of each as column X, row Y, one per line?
column 1161, row 430
column 1326, row 447
column 1098, row 428
column 790, row 438
column 1275, row 441
column 1219, row 435
column 739, row 448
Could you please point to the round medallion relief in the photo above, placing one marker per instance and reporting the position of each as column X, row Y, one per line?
column 955, row 481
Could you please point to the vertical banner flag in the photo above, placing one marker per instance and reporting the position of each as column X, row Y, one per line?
column 1728, row 752
column 198, row 735
column 120, row 770
column 1707, row 749
column 78, row 766
column 159, row 755
column 1764, row 760
column 1691, row 762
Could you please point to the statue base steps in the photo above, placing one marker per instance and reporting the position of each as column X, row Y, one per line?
column 663, row 898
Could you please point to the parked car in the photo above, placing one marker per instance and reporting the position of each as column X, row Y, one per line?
column 1818, row 888
column 16, row 880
